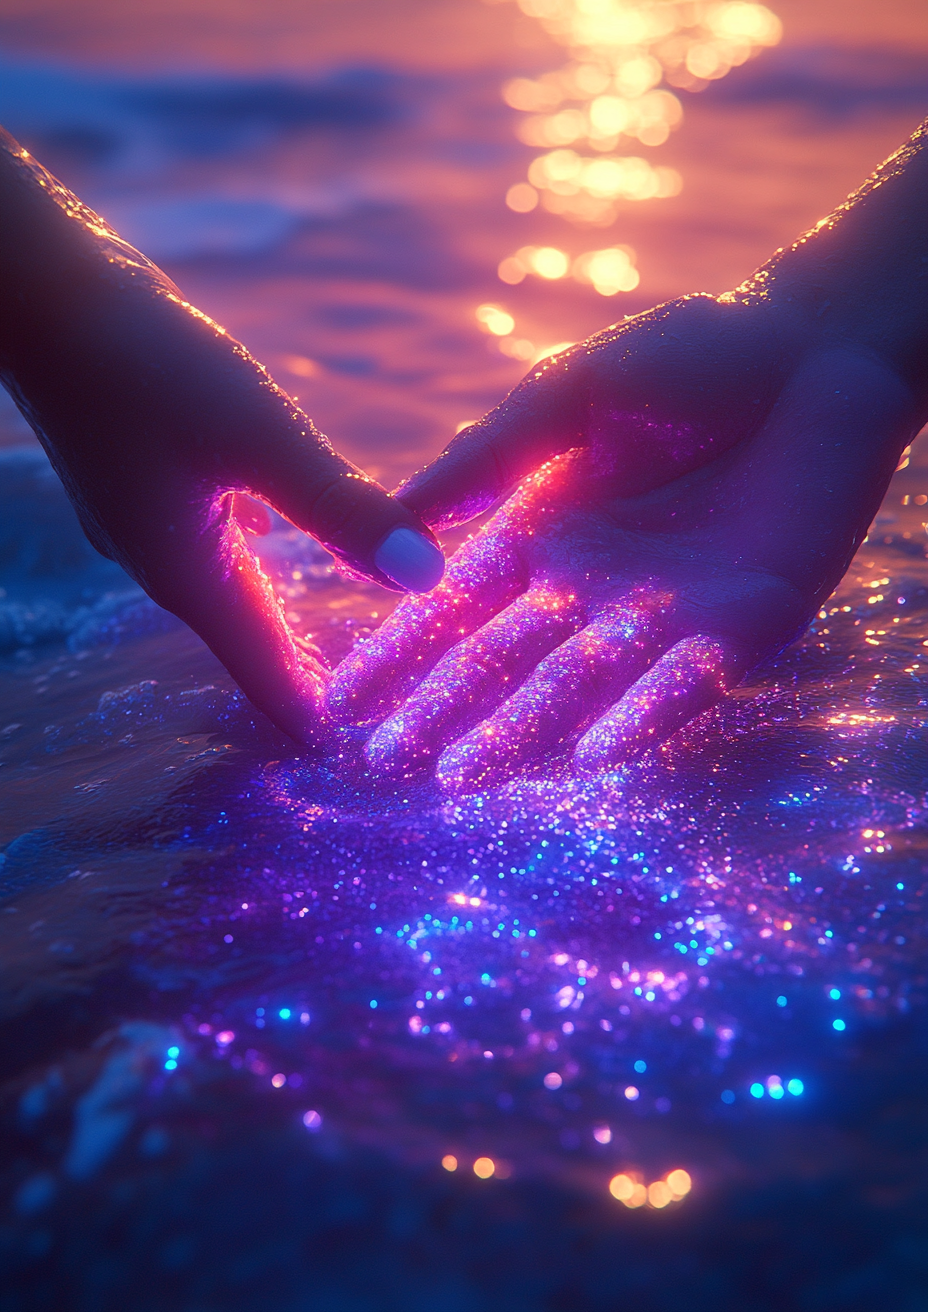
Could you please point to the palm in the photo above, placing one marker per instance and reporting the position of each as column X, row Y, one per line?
column 603, row 622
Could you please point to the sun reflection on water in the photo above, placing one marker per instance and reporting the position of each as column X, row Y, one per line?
column 610, row 94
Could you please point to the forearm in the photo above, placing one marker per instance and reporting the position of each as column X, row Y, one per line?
column 57, row 257
column 859, row 279
column 97, row 345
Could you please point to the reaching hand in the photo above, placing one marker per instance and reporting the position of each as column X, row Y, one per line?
column 153, row 416
column 713, row 465
column 586, row 617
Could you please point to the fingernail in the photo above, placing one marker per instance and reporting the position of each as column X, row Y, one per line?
column 410, row 560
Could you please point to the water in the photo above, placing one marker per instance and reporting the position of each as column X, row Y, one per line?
column 251, row 1003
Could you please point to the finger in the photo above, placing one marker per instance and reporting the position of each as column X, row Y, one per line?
column 368, row 531
column 378, row 675
column 688, row 679
column 472, row 679
column 210, row 580
column 583, row 675
column 544, row 416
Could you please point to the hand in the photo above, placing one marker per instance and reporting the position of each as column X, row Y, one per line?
column 154, row 418
column 587, row 617
column 727, row 457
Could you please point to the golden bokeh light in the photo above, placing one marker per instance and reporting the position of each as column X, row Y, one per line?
column 484, row 1167
column 631, row 1191
column 522, row 197
column 624, row 56
column 495, row 320
column 679, row 1182
column 449, row 1162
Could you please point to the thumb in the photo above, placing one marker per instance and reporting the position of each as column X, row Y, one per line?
column 372, row 535
column 540, row 418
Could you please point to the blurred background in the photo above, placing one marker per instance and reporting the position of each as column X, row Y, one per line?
column 275, row 1036
column 329, row 178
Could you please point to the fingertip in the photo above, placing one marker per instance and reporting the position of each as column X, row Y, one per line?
column 466, row 766
column 392, row 750
column 412, row 562
column 607, row 747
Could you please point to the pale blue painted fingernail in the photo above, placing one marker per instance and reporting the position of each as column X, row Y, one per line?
column 410, row 560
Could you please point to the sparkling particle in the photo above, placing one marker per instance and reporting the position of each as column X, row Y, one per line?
column 312, row 1120
column 449, row 1162
column 552, row 1080
column 484, row 1167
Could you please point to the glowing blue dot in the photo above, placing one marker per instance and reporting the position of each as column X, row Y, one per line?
column 379, row 929
column 373, row 1004
column 838, row 1025
column 484, row 978
column 900, row 887
column 776, row 1090
column 170, row 1065
column 757, row 1091
column 284, row 1013
column 781, row 1001
column 795, row 1087
column 728, row 1096
column 581, row 980
column 658, row 935
column 173, row 1052
column 834, row 994
column 641, row 1067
